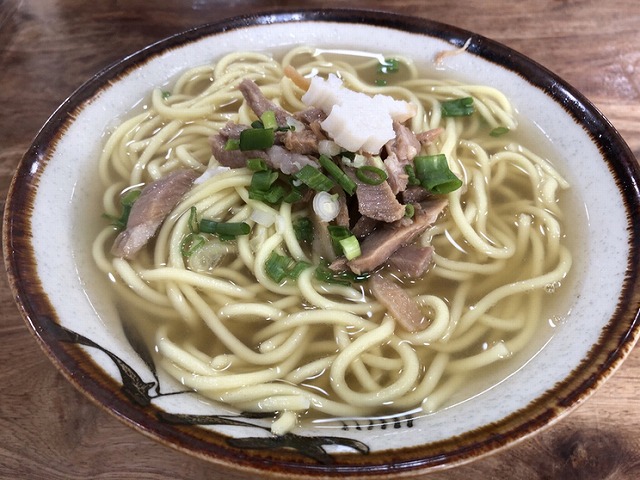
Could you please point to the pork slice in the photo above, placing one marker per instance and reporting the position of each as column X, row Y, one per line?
column 384, row 241
column 304, row 142
column 339, row 264
column 259, row 103
column 398, row 178
column 428, row 137
column 343, row 214
column 364, row 226
column 402, row 307
column 316, row 128
column 415, row 194
column 405, row 145
column 287, row 162
column 233, row 130
column 149, row 211
column 377, row 201
column 232, row 158
column 310, row 115
column 412, row 261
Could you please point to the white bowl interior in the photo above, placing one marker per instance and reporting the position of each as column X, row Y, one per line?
column 67, row 203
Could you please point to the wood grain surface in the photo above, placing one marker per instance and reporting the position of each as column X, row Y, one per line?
column 49, row 47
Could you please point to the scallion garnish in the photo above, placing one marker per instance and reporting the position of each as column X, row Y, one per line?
column 371, row 175
column 232, row 144
column 344, row 241
column 126, row 200
column 297, row 268
column 409, row 210
column 193, row 220
column 268, row 119
column 256, row 139
column 278, row 267
column 274, row 194
column 411, row 173
column 314, row 179
column 263, row 180
column 324, row 274
column 224, row 229
column 496, row 132
column 257, row 165
column 165, row 94
column 348, row 185
column 129, row 198
column 434, row 174
column 379, row 82
column 257, row 124
column 338, row 232
column 459, row 107
column 303, row 228
column 295, row 194
column 191, row 243
column 390, row 65
column 350, row 247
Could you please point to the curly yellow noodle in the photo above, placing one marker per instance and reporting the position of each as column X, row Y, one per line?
column 304, row 348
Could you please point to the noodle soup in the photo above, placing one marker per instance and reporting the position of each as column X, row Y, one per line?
column 322, row 341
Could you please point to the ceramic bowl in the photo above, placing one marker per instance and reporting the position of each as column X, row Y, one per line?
column 59, row 294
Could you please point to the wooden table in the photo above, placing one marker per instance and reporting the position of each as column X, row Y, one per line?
column 49, row 47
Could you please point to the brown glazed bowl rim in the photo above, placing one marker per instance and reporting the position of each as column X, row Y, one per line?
column 68, row 350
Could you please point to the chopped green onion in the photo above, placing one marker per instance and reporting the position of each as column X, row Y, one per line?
column 278, row 267
column 347, row 242
column 268, row 119
column 324, row 274
column 411, row 173
column 390, row 65
column 232, row 144
column 458, row 107
column 191, row 243
column 409, row 210
column 314, row 179
column 129, row 198
column 263, row 180
column 380, row 82
column 496, row 132
column 371, row 175
column 193, row 220
column 303, row 228
column 257, row 124
column 256, row 139
column 350, row 247
column 262, row 187
column 435, row 175
column 126, row 200
column 165, row 94
column 348, row 185
column 257, row 165
column 275, row 194
column 224, row 229
column 295, row 195
column 297, row 268
column 338, row 232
